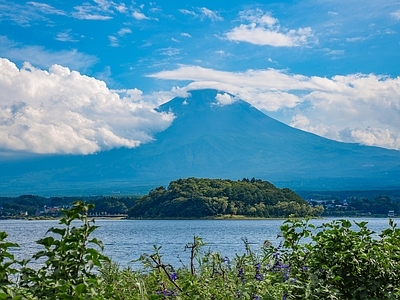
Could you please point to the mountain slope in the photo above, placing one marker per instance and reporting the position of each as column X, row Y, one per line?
column 209, row 140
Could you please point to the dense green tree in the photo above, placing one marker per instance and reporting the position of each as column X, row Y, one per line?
column 202, row 197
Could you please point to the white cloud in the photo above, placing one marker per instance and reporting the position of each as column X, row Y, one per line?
column 203, row 13
column 300, row 121
column 396, row 14
column 21, row 14
column 87, row 11
column 113, row 41
column 62, row 111
column 334, row 53
column 222, row 53
column 44, row 58
column 371, row 136
column 262, row 29
column 259, row 17
column 124, row 31
column 121, row 8
column 366, row 104
column 356, row 39
column 169, row 51
column 139, row 16
column 188, row 12
column 133, row 94
column 155, row 10
column 224, row 99
column 103, row 10
column 47, row 9
column 207, row 13
column 186, row 34
column 66, row 36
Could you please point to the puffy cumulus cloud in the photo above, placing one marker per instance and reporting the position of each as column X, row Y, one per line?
column 263, row 29
column 139, row 15
column 225, row 99
column 372, row 137
column 62, row 111
column 300, row 121
column 367, row 105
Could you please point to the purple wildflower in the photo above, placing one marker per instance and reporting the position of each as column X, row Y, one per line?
column 241, row 274
column 168, row 292
column 173, row 276
column 285, row 276
column 259, row 276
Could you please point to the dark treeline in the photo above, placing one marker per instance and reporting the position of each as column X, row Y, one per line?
column 199, row 198
column 394, row 195
column 378, row 206
column 31, row 205
column 377, row 203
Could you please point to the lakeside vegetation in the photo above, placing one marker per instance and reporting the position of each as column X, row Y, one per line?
column 337, row 260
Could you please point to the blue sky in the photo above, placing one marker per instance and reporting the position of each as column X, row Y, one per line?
column 81, row 77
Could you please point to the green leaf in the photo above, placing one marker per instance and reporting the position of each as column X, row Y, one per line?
column 47, row 241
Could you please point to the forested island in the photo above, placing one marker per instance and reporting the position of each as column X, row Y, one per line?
column 202, row 198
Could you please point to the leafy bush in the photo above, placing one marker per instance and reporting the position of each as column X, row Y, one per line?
column 67, row 271
column 341, row 260
column 337, row 260
column 6, row 269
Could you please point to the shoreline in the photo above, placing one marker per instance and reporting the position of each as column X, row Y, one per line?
column 222, row 218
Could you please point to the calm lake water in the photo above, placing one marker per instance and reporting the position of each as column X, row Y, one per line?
column 126, row 240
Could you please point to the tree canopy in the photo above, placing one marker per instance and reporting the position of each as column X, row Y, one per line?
column 200, row 198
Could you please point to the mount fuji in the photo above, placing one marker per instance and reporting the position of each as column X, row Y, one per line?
column 208, row 139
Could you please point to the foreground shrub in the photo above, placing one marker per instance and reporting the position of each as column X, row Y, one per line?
column 341, row 260
column 67, row 271
column 337, row 260
column 6, row 267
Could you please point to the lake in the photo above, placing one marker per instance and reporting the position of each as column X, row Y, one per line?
column 126, row 240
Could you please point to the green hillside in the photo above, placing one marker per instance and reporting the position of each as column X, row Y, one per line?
column 201, row 198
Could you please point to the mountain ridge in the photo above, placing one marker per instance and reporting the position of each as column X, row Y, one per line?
column 209, row 140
